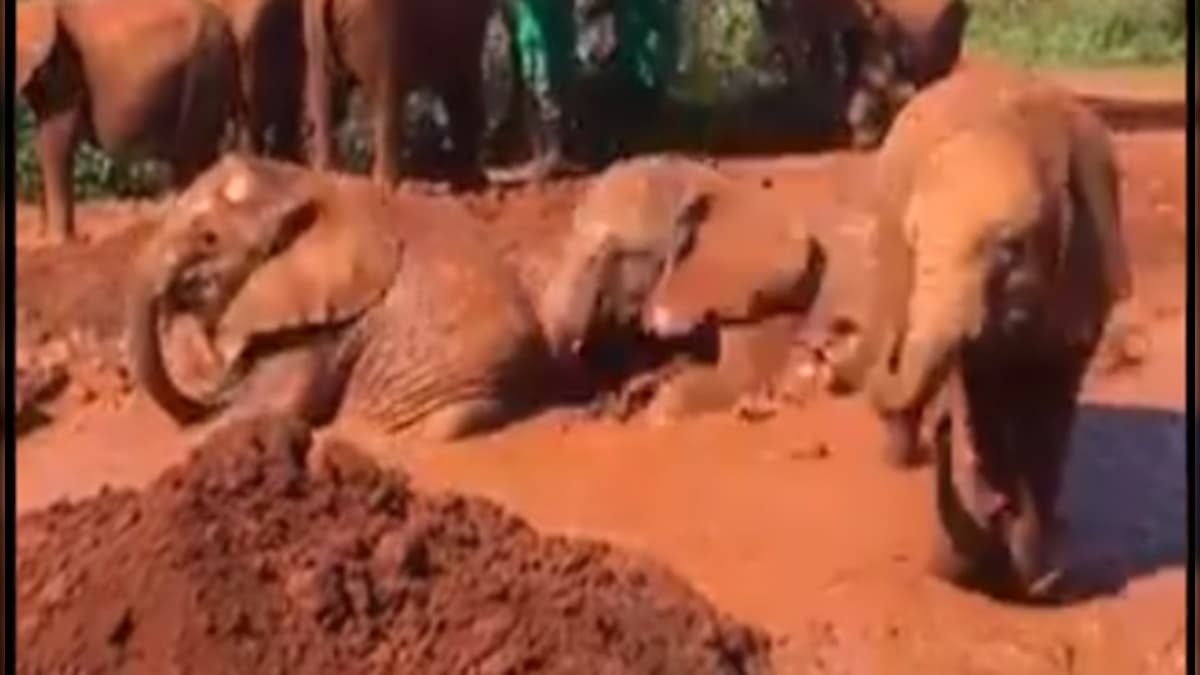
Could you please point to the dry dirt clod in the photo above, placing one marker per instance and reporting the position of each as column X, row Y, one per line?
column 256, row 555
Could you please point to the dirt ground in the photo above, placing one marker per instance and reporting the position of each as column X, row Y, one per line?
column 792, row 523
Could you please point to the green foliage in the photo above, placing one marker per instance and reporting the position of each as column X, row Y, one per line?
column 1081, row 32
column 724, row 50
column 96, row 174
column 725, row 60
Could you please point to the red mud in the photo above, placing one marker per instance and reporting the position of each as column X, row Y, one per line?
column 257, row 556
column 791, row 523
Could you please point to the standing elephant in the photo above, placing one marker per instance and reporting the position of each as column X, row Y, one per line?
column 329, row 293
column 888, row 49
column 390, row 48
column 146, row 78
column 270, row 39
column 1000, row 259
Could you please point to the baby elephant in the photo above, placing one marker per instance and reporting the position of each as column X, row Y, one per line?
column 329, row 292
column 146, row 79
column 1000, row 260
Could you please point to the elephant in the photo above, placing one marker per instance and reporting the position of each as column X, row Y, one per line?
column 999, row 262
column 330, row 294
column 390, row 48
column 634, row 221
column 749, row 293
column 889, row 49
column 146, row 78
column 270, row 42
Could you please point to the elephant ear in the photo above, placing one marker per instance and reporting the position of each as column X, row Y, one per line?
column 340, row 264
column 37, row 34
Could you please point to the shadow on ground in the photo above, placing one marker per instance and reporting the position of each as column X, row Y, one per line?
column 1125, row 495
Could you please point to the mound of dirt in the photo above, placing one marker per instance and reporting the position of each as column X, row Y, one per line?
column 258, row 555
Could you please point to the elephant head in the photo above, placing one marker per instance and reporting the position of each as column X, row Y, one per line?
column 255, row 250
column 986, row 240
column 737, row 275
column 638, row 218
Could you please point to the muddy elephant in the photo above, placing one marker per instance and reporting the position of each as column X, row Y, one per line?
column 270, row 39
column 999, row 262
column 390, row 48
column 887, row 49
column 331, row 295
column 139, row 78
column 635, row 220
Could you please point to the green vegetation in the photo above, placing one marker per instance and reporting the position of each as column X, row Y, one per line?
column 1081, row 32
column 96, row 174
column 724, row 59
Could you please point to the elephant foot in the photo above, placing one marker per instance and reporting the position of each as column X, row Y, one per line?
column 902, row 448
column 57, row 235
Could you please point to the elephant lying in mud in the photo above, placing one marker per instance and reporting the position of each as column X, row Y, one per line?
column 147, row 78
column 1000, row 259
column 656, row 250
column 329, row 293
column 632, row 224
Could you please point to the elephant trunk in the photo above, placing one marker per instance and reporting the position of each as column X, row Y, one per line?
column 944, row 308
column 569, row 303
column 146, row 360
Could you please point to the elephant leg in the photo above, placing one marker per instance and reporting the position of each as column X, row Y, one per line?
column 387, row 106
column 318, row 109
column 463, row 418
column 288, row 141
column 979, row 434
column 1044, row 430
column 56, row 137
column 191, row 162
column 901, row 447
column 464, row 103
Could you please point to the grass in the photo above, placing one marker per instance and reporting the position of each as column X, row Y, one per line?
column 1081, row 32
column 724, row 59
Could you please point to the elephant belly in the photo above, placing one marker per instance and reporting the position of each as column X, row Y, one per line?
column 142, row 120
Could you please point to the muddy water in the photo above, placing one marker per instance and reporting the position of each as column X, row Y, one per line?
column 793, row 523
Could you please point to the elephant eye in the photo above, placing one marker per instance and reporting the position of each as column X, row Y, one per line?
column 208, row 239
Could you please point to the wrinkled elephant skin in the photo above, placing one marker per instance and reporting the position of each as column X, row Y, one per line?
column 139, row 78
column 340, row 296
column 1000, row 258
column 634, row 221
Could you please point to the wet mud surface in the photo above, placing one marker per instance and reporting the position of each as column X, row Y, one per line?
column 788, row 521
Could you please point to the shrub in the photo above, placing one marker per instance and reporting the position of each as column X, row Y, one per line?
column 1081, row 32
